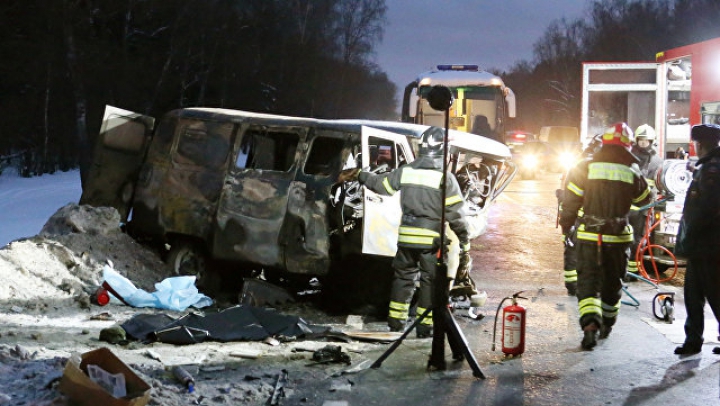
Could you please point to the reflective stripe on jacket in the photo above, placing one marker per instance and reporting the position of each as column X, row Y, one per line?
column 420, row 182
column 605, row 187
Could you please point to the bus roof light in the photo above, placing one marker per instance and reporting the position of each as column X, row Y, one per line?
column 473, row 68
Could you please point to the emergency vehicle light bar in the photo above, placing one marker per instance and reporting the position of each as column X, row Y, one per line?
column 473, row 68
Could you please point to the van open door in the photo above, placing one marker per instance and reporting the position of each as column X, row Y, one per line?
column 382, row 214
column 119, row 152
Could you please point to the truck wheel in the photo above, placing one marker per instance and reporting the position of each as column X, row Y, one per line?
column 661, row 268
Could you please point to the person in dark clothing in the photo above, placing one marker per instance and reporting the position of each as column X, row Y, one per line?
column 701, row 242
column 570, row 236
column 421, row 184
column 650, row 164
column 604, row 187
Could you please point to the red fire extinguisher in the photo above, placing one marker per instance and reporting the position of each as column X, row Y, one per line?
column 513, row 326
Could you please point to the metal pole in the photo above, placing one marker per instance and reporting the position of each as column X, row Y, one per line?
column 440, row 286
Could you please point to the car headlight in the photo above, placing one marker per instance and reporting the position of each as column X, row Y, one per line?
column 566, row 160
column 530, row 161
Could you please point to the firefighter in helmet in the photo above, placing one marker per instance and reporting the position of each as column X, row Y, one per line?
column 420, row 182
column 570, row 237
column 650, row 164
column 604, row 187
column 699, row 238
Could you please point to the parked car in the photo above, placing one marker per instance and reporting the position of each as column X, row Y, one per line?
column 518, row 137
column 259, row 191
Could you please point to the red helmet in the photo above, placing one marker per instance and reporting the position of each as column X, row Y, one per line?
column 618, row 134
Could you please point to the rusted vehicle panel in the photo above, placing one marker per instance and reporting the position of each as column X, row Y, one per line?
column 261, row 190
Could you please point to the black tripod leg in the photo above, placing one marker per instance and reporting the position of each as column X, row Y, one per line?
column 459, row 344
column 399, row 341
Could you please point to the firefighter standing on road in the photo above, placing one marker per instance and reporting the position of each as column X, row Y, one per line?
column 701, row 243
column 604, row 187
column 650, row 164
column 420, row 183
column 570, row 236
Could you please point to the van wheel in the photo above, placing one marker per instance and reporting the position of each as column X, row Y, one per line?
column 186, row 258
column 189, row 259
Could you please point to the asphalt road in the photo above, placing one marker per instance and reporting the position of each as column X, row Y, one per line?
column 522, row 251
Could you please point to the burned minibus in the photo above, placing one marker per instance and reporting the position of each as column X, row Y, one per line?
column 259, row 192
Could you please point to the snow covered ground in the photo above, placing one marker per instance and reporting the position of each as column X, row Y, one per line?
column 27, row 203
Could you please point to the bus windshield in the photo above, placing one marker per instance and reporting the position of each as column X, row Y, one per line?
column 476, row 109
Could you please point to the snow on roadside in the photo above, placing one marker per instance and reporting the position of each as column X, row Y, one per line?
column 27, row 203
column 65, row 260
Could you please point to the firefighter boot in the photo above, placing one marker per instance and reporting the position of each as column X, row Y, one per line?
column 571, row 288
column 590, row 333
column 632, row 272
column 396, row 325
column 606, row 327
column 424, row 331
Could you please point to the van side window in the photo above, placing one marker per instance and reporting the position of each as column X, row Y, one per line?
column 272, row 151
column 324, row 156
column 204, row 144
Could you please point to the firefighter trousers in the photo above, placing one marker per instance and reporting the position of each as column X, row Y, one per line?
column 599, row 286
column 570, row 259
column 702, row 281
column 408, row 263
column 638, row 221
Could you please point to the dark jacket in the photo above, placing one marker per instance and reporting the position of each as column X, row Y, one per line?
column 701, row 212
column 650, row 163
column 605, row 187
column 420, row 182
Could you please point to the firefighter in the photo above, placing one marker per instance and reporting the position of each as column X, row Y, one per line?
column 570, row 237
column 701, row 240
column 604, row 187
column 650, row 164
column 420, row 183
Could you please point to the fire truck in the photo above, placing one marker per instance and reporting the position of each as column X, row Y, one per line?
column 681, row 88
column 482, row 102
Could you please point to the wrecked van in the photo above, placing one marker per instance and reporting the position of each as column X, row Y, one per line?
column 259, row 191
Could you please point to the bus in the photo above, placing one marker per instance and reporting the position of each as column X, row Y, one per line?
column 482, row 103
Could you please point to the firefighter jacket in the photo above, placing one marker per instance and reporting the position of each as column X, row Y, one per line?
column 701, row 211
column 420, row 182
column 604, row 187
column 650, row 163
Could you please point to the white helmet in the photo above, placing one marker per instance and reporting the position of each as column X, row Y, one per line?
column 645, row 132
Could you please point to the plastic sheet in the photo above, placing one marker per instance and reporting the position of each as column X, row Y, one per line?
column 176, row 293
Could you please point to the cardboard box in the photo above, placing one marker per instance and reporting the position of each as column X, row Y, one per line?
column 76, row 383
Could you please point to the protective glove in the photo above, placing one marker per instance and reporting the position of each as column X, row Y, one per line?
column 348, row 175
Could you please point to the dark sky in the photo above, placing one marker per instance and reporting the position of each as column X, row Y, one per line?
column 491, row 33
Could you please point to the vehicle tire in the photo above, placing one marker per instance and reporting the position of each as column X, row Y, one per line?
column 187, row 258
column 661, row 268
